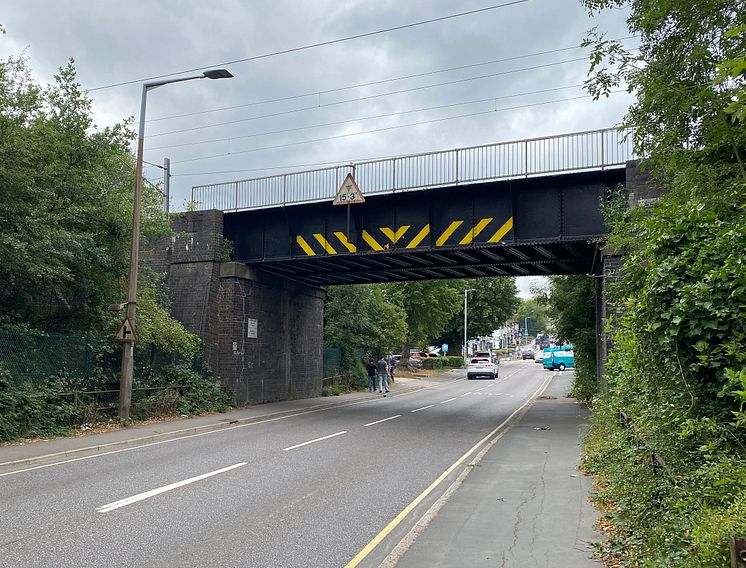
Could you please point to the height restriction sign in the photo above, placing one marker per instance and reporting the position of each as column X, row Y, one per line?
column 348, row 193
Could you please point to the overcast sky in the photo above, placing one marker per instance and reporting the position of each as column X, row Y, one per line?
column 114, row 41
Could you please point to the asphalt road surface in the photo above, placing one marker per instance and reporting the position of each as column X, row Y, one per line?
column 316, row 489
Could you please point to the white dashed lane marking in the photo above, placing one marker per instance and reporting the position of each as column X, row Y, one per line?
column 314, row 441
column 384, row 420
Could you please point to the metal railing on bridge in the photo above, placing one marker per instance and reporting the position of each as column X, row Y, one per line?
column 593, row 149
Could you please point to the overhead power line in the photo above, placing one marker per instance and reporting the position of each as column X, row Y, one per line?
column 368, row 97
column 384, row 129
column 314, row 45
column 373, row 83
column 361, row 118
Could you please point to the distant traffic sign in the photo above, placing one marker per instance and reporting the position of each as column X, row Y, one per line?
column 125, row 332
column 348, row 193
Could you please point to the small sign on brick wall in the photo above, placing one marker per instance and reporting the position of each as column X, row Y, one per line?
column 251, row 328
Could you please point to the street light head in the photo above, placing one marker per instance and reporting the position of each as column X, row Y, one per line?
column 218, row 74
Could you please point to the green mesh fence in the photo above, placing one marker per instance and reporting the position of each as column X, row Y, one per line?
column 83, row 361
column 332, row 361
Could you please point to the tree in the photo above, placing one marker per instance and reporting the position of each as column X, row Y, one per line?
column 65, row 204
column 534, row 313
column 361, row 317
column 688, row 77
column 428, row 305
column 490, row 304
column 677, row 369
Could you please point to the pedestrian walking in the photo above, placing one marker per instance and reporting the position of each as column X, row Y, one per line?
column 371, row 368
column 383, row 376
column 392, row 367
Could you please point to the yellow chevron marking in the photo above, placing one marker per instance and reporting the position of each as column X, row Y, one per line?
column 478, row 228
column 502, row 231
column 395, row 236
column 343, row 239
column 420, row 236
column 372, row 243
column 304, row 245
column 324, row 243
column 447, row 233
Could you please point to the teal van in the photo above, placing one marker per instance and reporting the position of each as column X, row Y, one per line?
column 559, row 358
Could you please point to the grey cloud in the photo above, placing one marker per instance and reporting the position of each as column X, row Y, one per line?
column 114, row 41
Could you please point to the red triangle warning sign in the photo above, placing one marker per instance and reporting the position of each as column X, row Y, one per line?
column 125, row 332
column 348, row 193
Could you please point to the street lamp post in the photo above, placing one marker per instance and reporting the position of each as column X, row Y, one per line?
column 466, row 292
column 128, row 352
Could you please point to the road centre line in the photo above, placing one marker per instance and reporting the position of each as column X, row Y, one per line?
column 314, row 441
column 423, row 408
column 368, row 548
column 467, row 393
column 480, row 389
column 384, row 420
column 255, row 423
column 153, row 492
column 449, row 400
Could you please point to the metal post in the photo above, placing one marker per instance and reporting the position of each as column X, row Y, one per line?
column 525, row 158
column 166, row 184
column 466, row 292
column 466, row 352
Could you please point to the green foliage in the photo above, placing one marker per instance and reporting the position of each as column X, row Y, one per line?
column 30, row 410
column 65, row 204
column 678, row 366
column 428, row 306
column 491, row 303
column 332, row 390
column 229, row 250
column 155, row 326
column 687, row 75
column 533, row 313
column 443, row 363
column 362, row 316
column 572, row 302
column 27, row 411
column 201, row 394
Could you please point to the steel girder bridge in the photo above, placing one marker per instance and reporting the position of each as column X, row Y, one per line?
column 529, row 207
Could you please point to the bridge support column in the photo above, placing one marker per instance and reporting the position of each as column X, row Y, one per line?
column 262, row 334
column 643, row 191
column 611, row 266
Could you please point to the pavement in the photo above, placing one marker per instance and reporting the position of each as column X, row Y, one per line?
column 41, row 451
column 524, row 504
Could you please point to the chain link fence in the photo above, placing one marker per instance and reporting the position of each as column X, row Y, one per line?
column 83, row 362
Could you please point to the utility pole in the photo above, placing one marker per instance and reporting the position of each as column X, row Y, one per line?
column 466, row 293
column 128, row 352
column 166, row 184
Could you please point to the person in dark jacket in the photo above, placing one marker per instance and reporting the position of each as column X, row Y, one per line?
column 383, row 375
column 371, row 368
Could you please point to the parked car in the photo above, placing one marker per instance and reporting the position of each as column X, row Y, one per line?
column 559, row 358
column 481, row 367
